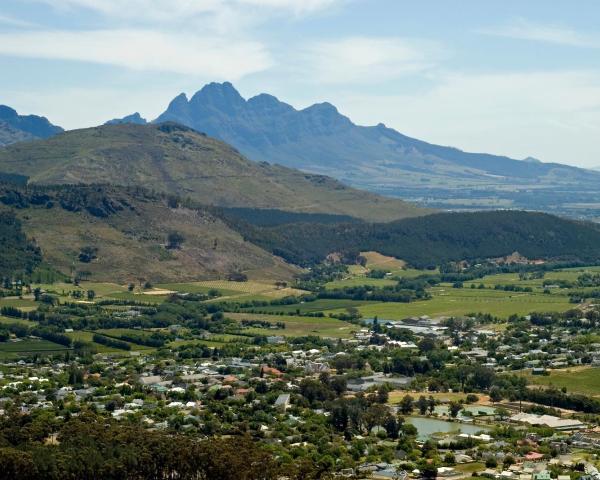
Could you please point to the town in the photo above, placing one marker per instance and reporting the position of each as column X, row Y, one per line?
column 453, row 396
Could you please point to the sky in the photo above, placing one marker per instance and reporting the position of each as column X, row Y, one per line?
column 511, row 77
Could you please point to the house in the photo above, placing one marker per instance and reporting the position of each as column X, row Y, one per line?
column 543, row 475
column 316, row 367
column 283, row 401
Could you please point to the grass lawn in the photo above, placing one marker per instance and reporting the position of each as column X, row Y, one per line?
column 470, row 467
column 29, row 346
column 299, row 326
column 447, row 301
column 585, row 380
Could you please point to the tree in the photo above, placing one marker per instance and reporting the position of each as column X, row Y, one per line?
column 454, row 408
column 422, row 405
column 87, row 254
column 429, row 471
column 91, row 294
column 495, row 394
column 175, row 240
column 406, row 404
column 382, row 394
column 431, row 402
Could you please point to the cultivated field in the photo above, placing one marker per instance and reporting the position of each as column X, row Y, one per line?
column 296, row 326
column 585, row 380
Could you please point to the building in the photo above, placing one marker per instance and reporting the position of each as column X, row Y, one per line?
column 563, row 424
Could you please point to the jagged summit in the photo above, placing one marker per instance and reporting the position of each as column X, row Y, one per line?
column 133, row 118
column 15, row 127
column 322, row 140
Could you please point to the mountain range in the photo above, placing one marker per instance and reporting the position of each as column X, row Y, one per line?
column 319, row 139
column 120, row 190
column 17, row 128
column 177, row 160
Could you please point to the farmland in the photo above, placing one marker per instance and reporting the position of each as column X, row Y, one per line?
column 299, row 326
column 28, row 347
column 584, row 380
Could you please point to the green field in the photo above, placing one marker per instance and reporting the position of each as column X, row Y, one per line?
column 20, row 303
column 139, row 297
column 322, row 305
column 115, row 332
column 87, row 336
column 101, row 289
column 195, row 287
column 29, row 346
column 360, row 281
column 299, row 326
column 584, row 380
column 448, row 301
column 20, row 321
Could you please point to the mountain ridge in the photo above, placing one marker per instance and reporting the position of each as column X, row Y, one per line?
column 319, row 139
column 17, row 128
column 177, row 160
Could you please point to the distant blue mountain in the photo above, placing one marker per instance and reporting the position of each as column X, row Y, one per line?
column 135, row 118
column 15, row 127
column 321, row 140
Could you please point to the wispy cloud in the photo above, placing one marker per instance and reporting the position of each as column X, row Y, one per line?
column 14, row 22
column 525, row 30
column 366, row 59
column 143, row 50
column 177, row 10
column 550, row 115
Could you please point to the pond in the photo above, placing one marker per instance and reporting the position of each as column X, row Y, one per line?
column 426, row 427
column 474, row 410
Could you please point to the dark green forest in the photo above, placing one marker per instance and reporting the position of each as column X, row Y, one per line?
column 307, row 239
column 436, row 239
column 17, row 254
column 92, row 447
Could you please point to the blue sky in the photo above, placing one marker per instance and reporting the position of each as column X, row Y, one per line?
column 513, row 77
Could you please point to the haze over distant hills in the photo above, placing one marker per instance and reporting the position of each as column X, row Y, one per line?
column 319, row 139
column 17, row 128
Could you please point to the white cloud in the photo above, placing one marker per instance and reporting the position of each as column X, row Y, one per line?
column 525, row 30
column 366, row 59
column 174, row 10
column 143, row 50
column 554, row 116
column 14, row 22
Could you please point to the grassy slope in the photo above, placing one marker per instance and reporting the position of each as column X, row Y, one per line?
column 583, row 380
column 183, row 162
column 131, row 244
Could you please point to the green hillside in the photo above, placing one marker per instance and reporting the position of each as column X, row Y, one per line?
column 175, row 159
column 119, row 234
column 18, row 255
column 435, row 239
